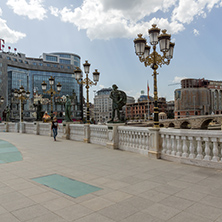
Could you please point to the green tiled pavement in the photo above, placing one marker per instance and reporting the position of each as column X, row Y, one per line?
column 66, row 185
column 8, row 152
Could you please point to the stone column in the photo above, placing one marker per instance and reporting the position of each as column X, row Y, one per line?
column 154, row 146
column 66, row 130
column 36, row 128
column 6, row 126
column 86, row 133
column 21, row 127
column 113, row 137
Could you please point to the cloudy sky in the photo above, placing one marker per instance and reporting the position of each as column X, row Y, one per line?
column 102, row 32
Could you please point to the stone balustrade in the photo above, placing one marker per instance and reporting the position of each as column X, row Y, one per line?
column 196, row 147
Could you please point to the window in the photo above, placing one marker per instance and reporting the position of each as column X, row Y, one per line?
column 65, row 61
column 51, row 58
column 65, row 55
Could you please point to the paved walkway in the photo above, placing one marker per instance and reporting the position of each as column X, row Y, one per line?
column 134, row 188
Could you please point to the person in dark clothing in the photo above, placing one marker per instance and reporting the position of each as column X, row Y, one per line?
column 54, row 127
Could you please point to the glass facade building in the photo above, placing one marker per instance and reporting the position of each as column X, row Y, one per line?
column 18, row 70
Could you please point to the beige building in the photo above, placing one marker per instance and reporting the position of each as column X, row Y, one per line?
column 198, row 97
column 103, row 106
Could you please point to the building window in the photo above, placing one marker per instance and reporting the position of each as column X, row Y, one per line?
column 65, row 61
column 65, row 55
column 51, row 58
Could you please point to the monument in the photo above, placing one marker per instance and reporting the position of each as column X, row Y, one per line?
column 119, row 100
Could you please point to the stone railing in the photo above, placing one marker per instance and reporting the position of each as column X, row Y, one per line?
column 76, row 132
column 134, row 139
column 98, row 134
column 198, row 147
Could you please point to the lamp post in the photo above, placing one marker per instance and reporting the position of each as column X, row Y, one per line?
column 154, row 60
column 87, row 82
column 22, row 95
column 51, row 91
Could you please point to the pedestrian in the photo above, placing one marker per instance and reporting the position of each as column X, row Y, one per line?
column 54, row 127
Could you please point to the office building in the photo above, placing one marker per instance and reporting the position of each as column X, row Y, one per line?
column 198, row 97
column 18, row 70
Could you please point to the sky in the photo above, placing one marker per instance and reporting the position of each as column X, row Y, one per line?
column 102, row 32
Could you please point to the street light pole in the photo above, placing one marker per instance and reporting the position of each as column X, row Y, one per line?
column 51, row 91
column 22, row 95
column 154, row 60
column 87, row 82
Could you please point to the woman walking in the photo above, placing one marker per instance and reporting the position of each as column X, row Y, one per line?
column 54, row 127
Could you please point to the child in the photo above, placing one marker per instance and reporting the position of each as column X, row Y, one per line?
column 54, row 127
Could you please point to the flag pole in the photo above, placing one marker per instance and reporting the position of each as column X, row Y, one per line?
column 148, row 97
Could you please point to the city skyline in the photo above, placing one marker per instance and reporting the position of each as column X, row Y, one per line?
column 102, row 32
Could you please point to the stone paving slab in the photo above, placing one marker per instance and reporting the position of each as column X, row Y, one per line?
column 133, row 187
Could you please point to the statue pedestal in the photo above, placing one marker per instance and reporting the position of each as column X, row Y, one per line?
column 113, row 138
column 66, row 130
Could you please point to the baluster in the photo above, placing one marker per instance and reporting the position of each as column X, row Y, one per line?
column 141, row 140
column 131, row 139
column 179, row 146
column 220, row 140
column 147, row 140
column 185, row 148
column 163, row 144
column 168, row 145
column 207, row 149
column 215, row 150
column 191, row 148
column 173, row 145
column 199, row 149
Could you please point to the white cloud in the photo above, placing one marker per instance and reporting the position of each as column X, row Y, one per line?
column 9, row 35
column 33, row 9
column 177, row 79
column 187, row 10
column 196, row 32
column 105, row 19
column 0, row 12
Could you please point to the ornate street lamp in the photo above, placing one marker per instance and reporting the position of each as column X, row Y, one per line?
column 154, row 60
column 51, row 91
column 22, row 95
column 87, row 82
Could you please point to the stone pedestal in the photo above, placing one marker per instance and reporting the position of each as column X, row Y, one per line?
column 22, row 127
column 36, row 128
column 113, row 137
column 154, row 146
column 86, row 133
column 66, row 130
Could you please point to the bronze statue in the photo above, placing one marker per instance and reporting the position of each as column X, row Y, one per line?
column 119, row 100
column 38, row 111
column 7, row 114
column 68, row 110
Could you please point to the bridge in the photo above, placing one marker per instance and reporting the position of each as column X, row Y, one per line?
column 192, row 122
